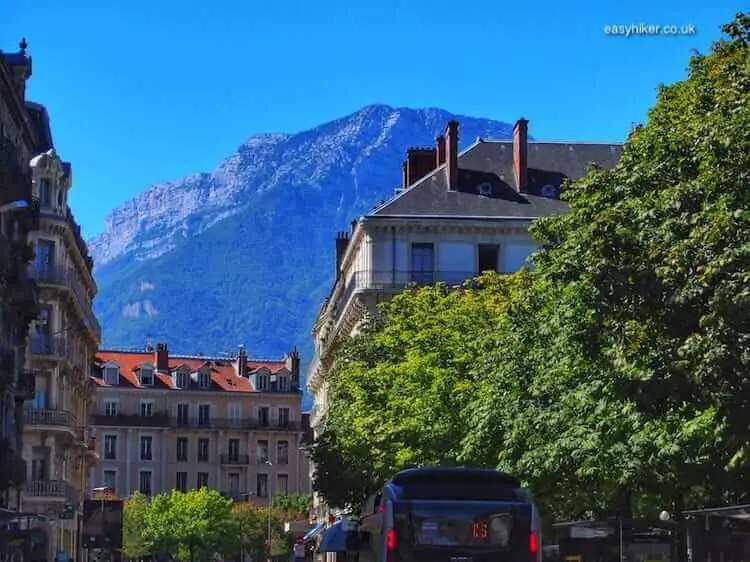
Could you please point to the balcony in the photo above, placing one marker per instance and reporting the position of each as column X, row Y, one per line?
column 235, row 459
column 65, row 277
column 212, row 423
column 69, row 219
column 48, row 346
column 56, row 490
column 158, row 419
column 50, row 418
column 87, row 442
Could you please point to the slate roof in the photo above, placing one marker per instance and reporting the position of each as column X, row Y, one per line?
column 490, row 164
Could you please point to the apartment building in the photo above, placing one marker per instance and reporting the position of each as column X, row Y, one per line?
column 57, row 446
column 181, row 422
column 20, row 139
column 455, row 215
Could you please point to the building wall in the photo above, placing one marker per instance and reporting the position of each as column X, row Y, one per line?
column 58, row 449
column 165, row 465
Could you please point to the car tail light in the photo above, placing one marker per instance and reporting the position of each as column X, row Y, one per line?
column 390, row 540
column 533, row 543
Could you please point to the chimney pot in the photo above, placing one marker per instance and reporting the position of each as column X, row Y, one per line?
column 419, row 163
column 342, row 242
column 404, row 175
column 521, row 154
column 162, row 357
column 242, row 362
column 451, row 149
column 439, row 151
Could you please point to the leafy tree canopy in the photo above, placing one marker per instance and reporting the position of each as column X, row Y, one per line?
column 614, row 375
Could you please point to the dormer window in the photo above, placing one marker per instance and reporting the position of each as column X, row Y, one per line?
column 111, row 375
column 261, row 382
column 181, row 379
column 283, row 383
column 203, row 379
column 147, row 376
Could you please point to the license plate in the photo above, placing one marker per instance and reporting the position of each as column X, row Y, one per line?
column 461, row 559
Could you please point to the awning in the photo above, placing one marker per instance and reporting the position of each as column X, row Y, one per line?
column 339, row 537
column 314, row 532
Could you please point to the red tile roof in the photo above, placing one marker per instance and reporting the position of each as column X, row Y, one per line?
column 223, row 372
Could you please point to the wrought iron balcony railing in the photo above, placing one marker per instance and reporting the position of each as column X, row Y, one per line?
column 35, row 416
column 58, row 489
column 157, row 419
column 44, row 344
column 235, row 459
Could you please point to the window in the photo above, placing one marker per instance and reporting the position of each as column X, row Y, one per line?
column 181, row 481
column 422, row 263
column 111, row 408
column 204, row 414
column 234, row 449
column 45, row 192
column 110, row 447
column 488, row 254
column 38, row 469
column 147, row 409
column 283, row 383
column 144, row 482
column 262, row 450
column 147, row 452
column 263, row 415
column 110, row 479
column 234, row 484
column 262, row 487
column 283, row 417
column 147, row 376
column 282, row 452
column 202, row 480
column 183, row 411
column 182, row 380
column 282, row 484
column 182, row 449
column 203, row 379
column 261, row 382
column 235, row 414
column 202, row 450
column 111, row 375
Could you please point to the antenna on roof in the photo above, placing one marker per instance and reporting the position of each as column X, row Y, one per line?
column 149, row 345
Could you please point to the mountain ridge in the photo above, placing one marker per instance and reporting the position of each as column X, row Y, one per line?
column 245, row 253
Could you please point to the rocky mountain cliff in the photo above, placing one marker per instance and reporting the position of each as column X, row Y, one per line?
column 245, row 254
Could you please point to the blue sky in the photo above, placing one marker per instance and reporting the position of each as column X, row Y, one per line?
column 141, row 92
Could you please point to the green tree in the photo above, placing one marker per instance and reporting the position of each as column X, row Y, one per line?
column 294, row 504
column 633, row 333
column 401, row 387
column 250, row 531
column 193, row 525
column 135, row 516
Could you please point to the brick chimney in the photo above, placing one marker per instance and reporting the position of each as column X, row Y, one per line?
column 419, row 163
column 242, row 362
column 342, row 242
column 292, row 363
column 439, row 151
column 161, row 357
column 521, row 154
column 451, row 156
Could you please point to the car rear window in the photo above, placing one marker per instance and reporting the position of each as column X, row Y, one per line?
column 498, row 526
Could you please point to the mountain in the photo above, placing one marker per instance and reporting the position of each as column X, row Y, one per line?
column 245, row 254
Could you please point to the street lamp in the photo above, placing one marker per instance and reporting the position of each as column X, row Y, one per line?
column 270, row 500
